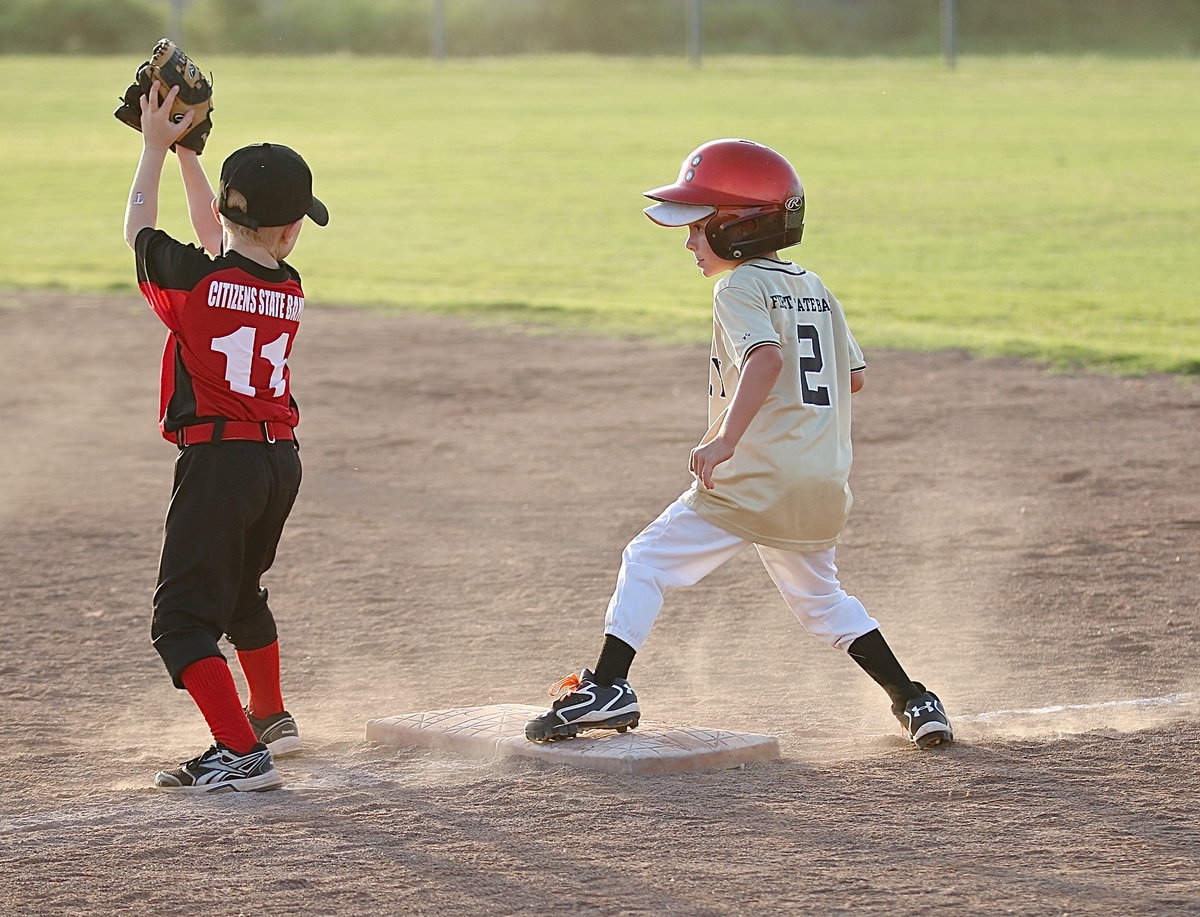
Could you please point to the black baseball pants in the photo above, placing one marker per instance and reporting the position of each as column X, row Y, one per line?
column 229, row 503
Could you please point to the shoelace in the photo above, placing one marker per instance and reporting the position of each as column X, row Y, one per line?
column 212, row 749
column 568, row 685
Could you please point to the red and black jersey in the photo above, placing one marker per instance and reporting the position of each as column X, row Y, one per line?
column 232, row 323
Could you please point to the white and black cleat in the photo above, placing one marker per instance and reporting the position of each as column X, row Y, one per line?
column 584, row 704
column 221, row 770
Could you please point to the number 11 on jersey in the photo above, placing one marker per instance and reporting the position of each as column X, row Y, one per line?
column 239, row 351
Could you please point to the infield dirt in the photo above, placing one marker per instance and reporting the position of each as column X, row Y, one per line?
column 1030, row 543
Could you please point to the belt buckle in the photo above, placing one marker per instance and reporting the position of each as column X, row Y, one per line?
column 267, row 435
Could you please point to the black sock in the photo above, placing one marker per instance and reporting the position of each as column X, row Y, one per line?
column 876, row 658
column 615, row 659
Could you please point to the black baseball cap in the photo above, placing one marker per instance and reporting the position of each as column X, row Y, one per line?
column 276, row 183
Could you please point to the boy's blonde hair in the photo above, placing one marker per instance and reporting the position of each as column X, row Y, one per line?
column 269, row 237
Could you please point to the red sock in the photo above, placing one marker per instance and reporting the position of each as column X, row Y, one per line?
column 261, row 668
column 210, row 683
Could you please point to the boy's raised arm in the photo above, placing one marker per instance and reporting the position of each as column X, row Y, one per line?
column 200, row 199
column 158, row 133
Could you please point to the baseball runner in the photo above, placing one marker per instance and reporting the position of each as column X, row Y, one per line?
column 772, row 469
column 226, row 403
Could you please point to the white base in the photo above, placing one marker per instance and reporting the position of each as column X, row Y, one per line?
column 498, row 731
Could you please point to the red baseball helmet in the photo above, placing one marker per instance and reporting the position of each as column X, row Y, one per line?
column 754, row 192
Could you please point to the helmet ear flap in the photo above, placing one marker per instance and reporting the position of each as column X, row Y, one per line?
column 738, row 233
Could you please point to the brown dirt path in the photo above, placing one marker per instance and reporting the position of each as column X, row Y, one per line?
column 1030, row 543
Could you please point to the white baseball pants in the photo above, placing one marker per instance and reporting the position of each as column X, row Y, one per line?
column 680, row 548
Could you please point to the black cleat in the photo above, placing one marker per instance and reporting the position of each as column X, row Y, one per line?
column 278, row 732
column 584, row 704
column 924, row 720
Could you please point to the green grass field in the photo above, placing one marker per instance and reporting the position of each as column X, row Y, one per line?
column 1048, row 208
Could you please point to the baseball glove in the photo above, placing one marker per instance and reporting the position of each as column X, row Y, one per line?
column 171, row 67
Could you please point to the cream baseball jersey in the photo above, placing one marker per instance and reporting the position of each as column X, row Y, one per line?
column 786, row 485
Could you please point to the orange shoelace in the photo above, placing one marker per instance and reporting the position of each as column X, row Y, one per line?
column 568, row 684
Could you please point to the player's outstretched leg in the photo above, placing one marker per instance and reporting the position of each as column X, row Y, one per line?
column 221, row 769
column 583, row 703
column 924, row 719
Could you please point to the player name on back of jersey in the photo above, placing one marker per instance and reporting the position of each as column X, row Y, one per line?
column 245, row 298
column 799, row 303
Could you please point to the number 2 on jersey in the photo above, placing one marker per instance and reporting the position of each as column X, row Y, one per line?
column 811, row 363
column 239, row 360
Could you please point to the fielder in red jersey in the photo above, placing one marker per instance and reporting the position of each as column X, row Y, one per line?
column 232, row 310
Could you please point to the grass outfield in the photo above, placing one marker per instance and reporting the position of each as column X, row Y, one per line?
column 1048, row 208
